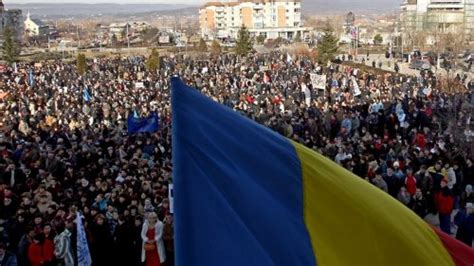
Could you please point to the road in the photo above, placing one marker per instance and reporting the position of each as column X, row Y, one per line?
column 388, row 64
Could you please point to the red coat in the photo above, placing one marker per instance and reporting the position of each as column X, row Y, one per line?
column 410, row 183
column 420, row 140
column 444, row 203
column 39, row 254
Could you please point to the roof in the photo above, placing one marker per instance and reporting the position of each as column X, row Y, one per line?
column 38, row 22
column 237, row 2
column 118, row 25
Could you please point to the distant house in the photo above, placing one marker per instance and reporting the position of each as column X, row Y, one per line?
column 139, row 26
column 35, row 27
column 119, row 30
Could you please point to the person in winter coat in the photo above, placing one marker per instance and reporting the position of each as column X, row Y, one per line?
column 464, row 219
column 25, row 242
column 124, row 237
column 404, row 197
column 7, row 258
column 467, row 196
column 445, row 202
column 380, row 183
column 153, row 251
column 418, row 204
column 101, row 242
column 62, row 246
column 168, row 238
column 410, row 182
column 137, row 243
column 41, row 251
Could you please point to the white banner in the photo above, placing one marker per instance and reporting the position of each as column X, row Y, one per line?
column 318, row 81
column 139, row 85
column 357, row 91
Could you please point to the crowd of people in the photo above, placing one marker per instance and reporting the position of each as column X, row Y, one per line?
column 63, row 154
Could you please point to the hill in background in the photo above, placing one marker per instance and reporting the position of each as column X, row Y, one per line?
column 79, row 10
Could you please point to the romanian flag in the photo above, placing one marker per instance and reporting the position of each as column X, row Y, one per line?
column 244, row 196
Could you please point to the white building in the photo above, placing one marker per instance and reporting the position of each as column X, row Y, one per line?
column 270, row 18
column 133, row 29
column 455, row 16
column 119, row 30
column 35, row 27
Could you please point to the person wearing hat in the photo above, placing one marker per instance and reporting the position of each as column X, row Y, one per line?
column 467, row 196
column 464, row 219
column 7, row 258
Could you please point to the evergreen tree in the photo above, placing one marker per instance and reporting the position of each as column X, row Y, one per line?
column 261, row 39
column 153, row 62
column 81, row 64
column 244, row 42
column 10, row 47
column 114, row 40
column 202, row 46
column 297, row 38
column 378, row 39
column 216, row 48
column 328, row 46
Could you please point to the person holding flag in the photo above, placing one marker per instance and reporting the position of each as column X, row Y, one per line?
column 85, row 95
column 83, row 253
column 31, row 78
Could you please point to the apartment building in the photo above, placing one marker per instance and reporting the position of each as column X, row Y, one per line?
column 13, row 19
column 270, row 18
column 455, row 16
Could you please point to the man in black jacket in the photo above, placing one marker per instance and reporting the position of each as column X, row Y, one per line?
column 6, row 257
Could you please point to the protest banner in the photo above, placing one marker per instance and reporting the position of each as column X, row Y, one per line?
column 318, row 81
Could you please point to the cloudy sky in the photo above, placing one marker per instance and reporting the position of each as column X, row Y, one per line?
column 191, row 2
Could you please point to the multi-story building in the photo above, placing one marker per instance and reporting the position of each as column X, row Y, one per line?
column 270, row 18
column 12, row 19
column 455, row 16
column 35, row 27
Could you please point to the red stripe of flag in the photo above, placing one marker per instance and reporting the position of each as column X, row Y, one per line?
column 461, row 254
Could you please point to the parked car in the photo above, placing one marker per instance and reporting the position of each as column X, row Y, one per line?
column 420, row 65
column 469, row 58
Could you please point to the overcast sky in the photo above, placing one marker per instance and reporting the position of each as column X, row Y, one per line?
column 190, row 2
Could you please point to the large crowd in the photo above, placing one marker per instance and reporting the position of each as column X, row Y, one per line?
column 62, row 155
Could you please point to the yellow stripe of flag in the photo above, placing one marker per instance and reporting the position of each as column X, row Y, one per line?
column 350, row 223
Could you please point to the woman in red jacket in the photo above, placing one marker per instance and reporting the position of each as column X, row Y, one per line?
column 41, row 251
column 445, row 203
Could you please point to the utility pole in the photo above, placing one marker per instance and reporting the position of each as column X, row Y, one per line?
column 78, row 37
column 128, row 39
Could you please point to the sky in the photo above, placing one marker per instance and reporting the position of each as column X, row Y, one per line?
column 190, row 2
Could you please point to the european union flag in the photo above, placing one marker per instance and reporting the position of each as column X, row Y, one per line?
column 85, row 94
column 148, row 124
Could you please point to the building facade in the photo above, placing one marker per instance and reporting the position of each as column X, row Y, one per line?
column 446, row 16
column 270, row 18
column 12, row 19
column 35, row 27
